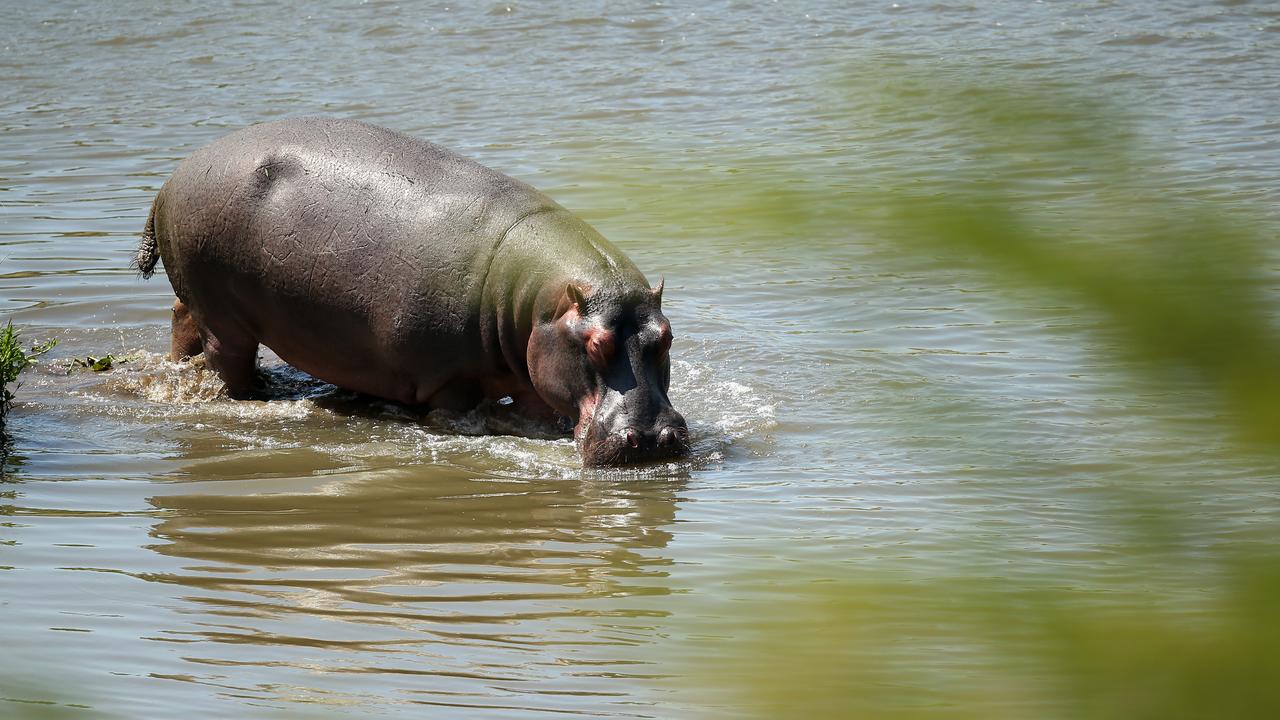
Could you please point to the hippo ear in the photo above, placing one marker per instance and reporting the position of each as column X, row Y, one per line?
column 575, row 296
column 657, row 290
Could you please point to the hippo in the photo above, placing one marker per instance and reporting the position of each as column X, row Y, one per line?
column 397, row 268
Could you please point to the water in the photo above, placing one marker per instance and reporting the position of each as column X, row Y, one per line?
column 863, row 412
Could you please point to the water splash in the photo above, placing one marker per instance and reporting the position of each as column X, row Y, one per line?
column 302, row 413
column 721, row 410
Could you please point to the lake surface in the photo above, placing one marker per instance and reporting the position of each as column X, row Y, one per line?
column 865, row 414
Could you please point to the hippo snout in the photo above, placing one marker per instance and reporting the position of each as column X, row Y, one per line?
column 666, row 439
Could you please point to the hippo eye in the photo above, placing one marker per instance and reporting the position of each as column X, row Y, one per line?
column 600, row 347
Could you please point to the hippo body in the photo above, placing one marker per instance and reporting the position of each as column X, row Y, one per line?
column 397, row 268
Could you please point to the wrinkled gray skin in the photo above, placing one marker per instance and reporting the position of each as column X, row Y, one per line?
column 394, row 267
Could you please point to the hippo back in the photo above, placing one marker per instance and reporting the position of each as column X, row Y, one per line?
column 308, row 230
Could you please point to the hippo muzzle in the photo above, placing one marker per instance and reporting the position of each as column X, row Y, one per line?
column 619, row 435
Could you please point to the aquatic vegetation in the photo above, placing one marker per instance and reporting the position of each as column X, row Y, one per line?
column 100, row 363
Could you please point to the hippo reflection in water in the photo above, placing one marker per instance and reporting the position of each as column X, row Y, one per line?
column 397, row 268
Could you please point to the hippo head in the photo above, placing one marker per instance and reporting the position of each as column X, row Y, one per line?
column 602, row 360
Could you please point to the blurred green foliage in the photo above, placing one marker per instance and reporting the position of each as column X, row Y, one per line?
column 1052, row 189
column 1044, row 187
column 844, row 650
column 1181, row 283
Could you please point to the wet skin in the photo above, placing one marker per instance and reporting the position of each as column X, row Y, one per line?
column 394, row 267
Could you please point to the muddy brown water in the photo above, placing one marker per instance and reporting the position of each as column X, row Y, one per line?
column 859, row 410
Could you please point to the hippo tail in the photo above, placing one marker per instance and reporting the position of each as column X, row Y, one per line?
column 144, row 260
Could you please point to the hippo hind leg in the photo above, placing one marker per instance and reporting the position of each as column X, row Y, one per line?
column 233, row 354
column 235, row 359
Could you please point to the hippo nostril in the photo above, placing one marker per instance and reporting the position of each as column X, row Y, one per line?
column 632, row 439
column 667, row 437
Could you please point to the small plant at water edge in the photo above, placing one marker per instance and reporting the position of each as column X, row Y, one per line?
column 13, row 360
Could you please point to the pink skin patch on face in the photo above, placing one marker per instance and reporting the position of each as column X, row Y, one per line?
column 664, row 337
column 600, row 347
column 586, row 413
